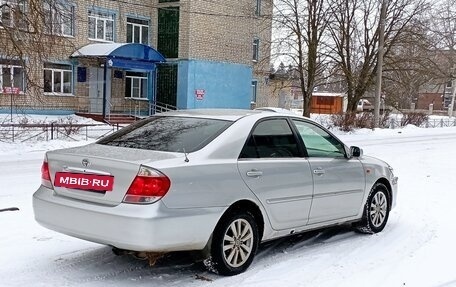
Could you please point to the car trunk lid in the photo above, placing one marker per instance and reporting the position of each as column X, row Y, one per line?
column 98, row 173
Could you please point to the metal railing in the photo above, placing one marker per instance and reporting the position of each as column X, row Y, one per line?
column 394, row 123
column 156, row 107
column 72, row 131
column 52, row 131
column 439, row 123
column 83, row 104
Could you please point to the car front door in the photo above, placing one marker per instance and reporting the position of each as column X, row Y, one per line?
column 339, row 182
column 273, row 166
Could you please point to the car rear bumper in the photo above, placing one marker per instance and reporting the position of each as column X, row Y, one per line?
column 152, row 227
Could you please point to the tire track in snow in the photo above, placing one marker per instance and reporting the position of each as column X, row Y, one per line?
column 98, row 266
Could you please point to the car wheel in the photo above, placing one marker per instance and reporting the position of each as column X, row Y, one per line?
column 376, row 210
column 234, row 244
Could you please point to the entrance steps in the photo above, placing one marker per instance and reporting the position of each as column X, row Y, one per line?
column 112, row 119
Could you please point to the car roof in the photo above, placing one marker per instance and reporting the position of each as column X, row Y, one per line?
column 222, row 114
column 275, row 110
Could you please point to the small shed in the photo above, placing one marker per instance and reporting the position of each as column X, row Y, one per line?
column 328, row 103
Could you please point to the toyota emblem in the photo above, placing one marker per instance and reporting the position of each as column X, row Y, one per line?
column 85, row 162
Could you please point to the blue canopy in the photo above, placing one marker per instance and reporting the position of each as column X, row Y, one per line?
column 122, row 55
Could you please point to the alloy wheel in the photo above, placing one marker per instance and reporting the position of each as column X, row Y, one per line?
column 238, row 242
column 378, row 209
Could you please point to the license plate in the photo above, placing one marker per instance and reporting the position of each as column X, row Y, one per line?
column 84, row 181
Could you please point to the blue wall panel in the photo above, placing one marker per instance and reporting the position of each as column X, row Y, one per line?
column 225, row 85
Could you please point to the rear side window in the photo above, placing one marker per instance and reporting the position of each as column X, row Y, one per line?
column 271, row 138
column 173, row 134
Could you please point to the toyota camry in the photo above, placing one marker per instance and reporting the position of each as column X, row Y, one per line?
column 216, row 181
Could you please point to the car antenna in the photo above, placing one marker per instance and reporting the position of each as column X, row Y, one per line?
column 186, row 157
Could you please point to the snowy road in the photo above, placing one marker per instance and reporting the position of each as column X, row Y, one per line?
column 416, row 248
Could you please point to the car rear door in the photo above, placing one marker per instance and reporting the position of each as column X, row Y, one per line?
column 339, row 182
column 273, row 167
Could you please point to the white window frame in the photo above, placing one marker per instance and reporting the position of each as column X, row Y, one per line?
column 254, row 91
column 257, row 7
column 13, row 5
column 12, row 67
column 256, row 49
column 62, row 73
column 59, row 15
column 140, row 78
column 141, row 27
column 101, row 18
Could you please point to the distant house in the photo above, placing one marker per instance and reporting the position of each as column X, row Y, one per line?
column 285, row 92
column 437, row 100
column 328, row 103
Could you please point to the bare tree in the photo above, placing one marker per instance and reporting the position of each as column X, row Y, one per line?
column 30, row 34
column 300, row 27
column 354, row 33
column 411, row 65
column 443, row 25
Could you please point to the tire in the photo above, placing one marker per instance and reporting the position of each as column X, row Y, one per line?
column 231, row 253
column 376, row 210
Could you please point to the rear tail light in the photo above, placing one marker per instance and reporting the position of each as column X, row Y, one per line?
column 46, row 175
column 148, row 186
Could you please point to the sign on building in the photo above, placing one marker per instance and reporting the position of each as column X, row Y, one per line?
column 200, row 94
column 11, row 90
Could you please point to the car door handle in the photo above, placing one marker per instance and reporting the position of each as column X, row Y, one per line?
column 254, row 173
column 319, row 171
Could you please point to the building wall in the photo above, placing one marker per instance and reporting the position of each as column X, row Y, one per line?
column 283, row 93
column 425, row 99
column 222, row 85
column 214, row 36
column 223, row 31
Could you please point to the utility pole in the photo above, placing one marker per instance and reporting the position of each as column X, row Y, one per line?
column 381, row 42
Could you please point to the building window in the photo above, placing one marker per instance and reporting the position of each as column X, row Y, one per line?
column 449, row 84
column 136, row 85
column 101, row 26
column 446, row 101
column 11, row 75
column 257, row 7
column 137, row 31
column 254, row 91
column 256, row 49
column 58, row 78
column 168, row 31
column 59, row 18
column 12, row 13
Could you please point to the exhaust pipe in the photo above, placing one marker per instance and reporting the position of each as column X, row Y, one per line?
column 152, row 257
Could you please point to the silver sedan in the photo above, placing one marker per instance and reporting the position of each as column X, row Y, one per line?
column 218, row 181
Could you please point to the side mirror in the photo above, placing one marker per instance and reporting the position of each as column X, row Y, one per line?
column 356, row 151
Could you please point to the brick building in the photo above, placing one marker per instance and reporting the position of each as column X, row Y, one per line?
column 105, row 56
column 285, row 92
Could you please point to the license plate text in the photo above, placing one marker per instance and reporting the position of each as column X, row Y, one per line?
column 84, row 181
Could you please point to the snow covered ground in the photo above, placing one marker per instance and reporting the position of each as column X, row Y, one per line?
column 415, row 249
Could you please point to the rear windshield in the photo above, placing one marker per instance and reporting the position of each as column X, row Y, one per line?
column 174, row 134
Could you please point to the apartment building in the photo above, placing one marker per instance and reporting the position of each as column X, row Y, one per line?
column 127, row 56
